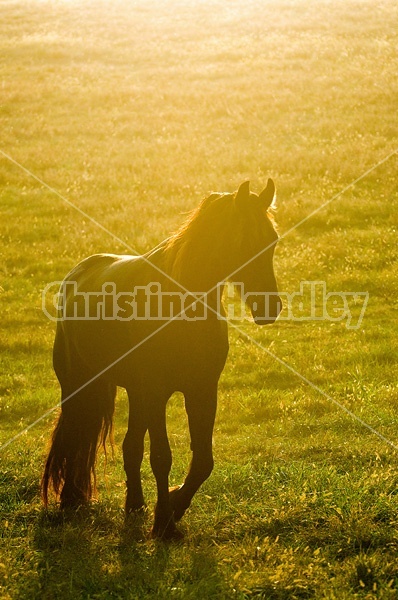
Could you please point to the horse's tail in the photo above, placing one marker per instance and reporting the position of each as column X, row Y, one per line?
column 85, row 422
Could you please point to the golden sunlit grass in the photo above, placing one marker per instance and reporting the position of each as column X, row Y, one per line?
column 133, row 112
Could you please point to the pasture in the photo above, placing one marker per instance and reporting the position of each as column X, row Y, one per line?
column 125, row 115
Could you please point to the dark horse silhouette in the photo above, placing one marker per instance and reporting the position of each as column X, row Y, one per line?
column 227, row 236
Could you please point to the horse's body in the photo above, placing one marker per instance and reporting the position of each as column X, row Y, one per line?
column 153, row 358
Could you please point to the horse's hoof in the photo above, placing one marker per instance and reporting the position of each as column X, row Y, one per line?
column 164, row 527
column 135, row 509
column 135, row 518
column 170, row 533
column 73, row 504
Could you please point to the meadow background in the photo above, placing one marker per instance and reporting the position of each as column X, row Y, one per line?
column 133, row 111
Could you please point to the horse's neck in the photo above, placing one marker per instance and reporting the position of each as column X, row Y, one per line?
column 161, row 267
column 190, row 266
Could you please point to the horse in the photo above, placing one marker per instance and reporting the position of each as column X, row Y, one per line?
column 228, row 237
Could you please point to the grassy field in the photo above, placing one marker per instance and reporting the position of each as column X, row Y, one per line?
column 133, row 112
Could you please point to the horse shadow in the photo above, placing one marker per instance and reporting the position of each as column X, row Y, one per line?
column 96, row 552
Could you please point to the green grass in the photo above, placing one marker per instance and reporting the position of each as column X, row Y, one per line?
column 133, row 112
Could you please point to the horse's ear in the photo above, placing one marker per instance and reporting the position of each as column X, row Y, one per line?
column 243, row 193
column 268, row 193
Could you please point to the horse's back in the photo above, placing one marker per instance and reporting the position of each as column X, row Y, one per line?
column 97, row 269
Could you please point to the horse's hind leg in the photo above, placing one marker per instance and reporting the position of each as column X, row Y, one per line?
column 87, row 417
column 201, row 409
column 133, row 452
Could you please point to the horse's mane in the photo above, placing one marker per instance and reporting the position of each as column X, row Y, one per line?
column 195, row 218
column 213, row 227
column 222, row 205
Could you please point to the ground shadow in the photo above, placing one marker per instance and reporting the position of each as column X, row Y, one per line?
column 96, row 552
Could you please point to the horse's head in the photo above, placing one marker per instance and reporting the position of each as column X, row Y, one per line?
column 230, row 237
column 255, row 250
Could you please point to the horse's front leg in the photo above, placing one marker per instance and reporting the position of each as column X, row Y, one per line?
column 160, row 457
column 201, row 408
column 133, row 452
